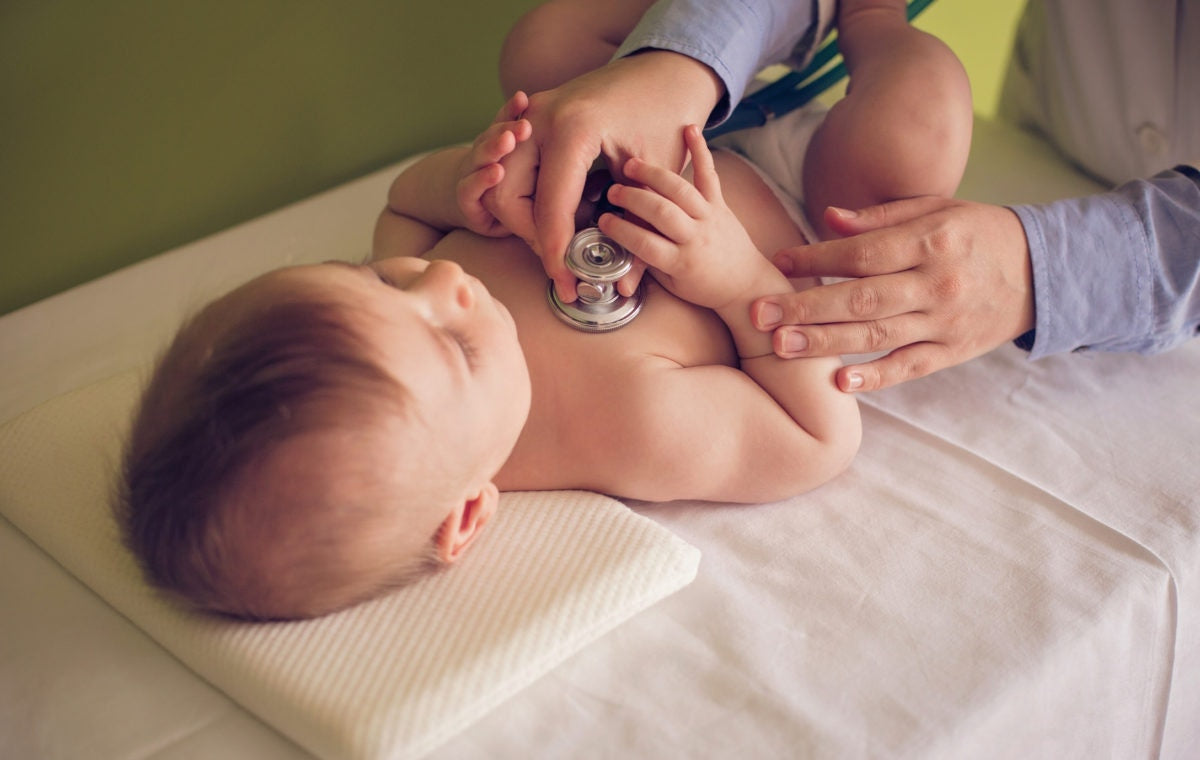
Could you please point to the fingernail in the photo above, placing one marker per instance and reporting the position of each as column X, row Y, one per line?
column 769, row 315
column 783, row 264
column 854, row 381
column 795, row 342
column 844, row 213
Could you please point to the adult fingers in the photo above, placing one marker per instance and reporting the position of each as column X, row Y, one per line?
column 872, row 298
column 885, row 251
column 881, row 239
column 857, row 221
column 851, row 337
column 563, row 170
column 901, row 365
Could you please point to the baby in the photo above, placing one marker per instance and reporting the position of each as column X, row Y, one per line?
column 325, row 433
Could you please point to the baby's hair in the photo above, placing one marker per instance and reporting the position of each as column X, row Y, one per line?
column 215, row 407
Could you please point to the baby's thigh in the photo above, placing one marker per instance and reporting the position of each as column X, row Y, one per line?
column 761, row 211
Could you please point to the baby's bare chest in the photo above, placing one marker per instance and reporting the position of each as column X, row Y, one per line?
column 582, row 380
column 666, row 327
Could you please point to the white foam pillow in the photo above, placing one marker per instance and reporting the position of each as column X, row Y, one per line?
column 390, row 678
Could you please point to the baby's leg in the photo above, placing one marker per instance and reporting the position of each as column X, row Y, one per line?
column 904, row 127
column 561, row 39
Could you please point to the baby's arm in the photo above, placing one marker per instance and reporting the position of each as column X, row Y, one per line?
column 776, row 428
column 444, row 190
column 904, row 127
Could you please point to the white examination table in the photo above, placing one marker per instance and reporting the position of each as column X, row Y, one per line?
column 1011, row 567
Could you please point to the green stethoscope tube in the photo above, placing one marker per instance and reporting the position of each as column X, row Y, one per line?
column 795, row 88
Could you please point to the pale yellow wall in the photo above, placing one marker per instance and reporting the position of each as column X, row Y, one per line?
column 981, row 35
column 980, row 32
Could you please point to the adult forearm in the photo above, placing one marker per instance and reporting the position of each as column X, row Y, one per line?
column 734, row 39
column 1119, row 271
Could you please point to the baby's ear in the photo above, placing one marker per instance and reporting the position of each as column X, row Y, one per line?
column 465, row 522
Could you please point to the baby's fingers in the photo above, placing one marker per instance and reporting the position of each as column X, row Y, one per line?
column 669, row 185
column 704, row 171
column 645, row 244
column 513, row 107
column 469, row 194
column 656, row 210
column 497, row 141
column 478, row 182
column 628, row 284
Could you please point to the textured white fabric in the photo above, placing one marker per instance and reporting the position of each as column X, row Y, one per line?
column 1115, row 437
column 1010, row 568
column 1001, row 573
column 393, row 677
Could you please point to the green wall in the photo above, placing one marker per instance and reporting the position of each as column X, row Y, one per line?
column 128, row 127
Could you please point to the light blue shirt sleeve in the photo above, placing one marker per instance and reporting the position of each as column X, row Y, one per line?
column 1118, row 271
column 735, row 38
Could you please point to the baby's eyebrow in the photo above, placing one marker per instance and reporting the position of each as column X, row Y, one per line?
column 447, row 345
column 359, row 269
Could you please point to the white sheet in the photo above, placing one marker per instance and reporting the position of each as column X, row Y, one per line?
column 1010, row 568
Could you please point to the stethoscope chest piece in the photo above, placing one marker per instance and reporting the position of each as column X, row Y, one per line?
column 598, row 261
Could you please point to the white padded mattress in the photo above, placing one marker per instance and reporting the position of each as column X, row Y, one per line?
column 1011, row 567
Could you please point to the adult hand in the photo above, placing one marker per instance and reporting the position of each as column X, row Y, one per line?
column 633, row 106
column 942, row 281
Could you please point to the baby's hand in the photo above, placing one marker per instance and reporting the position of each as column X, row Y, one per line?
column 481, row 170
column 698, row 249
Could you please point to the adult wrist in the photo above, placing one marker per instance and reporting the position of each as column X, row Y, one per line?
column 697, row 87
column 1074, row 271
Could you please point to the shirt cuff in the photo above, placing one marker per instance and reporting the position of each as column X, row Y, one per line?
column 1090, row 283
column 734, row 38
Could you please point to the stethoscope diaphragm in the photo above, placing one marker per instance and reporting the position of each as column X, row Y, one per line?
column 598, row 261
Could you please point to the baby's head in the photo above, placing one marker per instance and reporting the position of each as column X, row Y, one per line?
column 322, row 434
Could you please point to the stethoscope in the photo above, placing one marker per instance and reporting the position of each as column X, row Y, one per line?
column 598, row 261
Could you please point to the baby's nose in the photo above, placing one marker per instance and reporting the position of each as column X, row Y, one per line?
column 457, row 283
